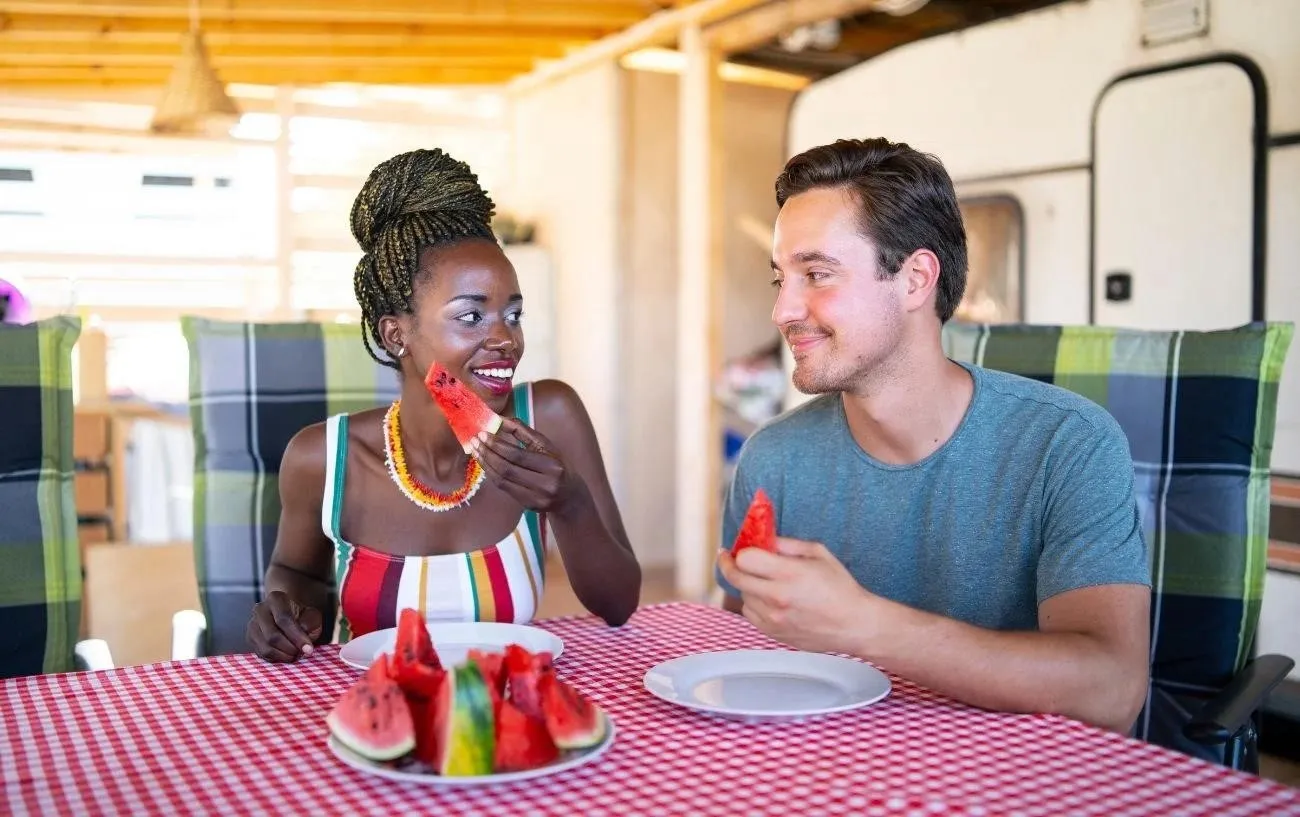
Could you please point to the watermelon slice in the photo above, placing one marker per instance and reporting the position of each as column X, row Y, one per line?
column 523, row 743
column 413, row 644
column 467, row 740
column 523, row 673
column 573, row 721
column 372, row 718
column 465, row 411
column 759, row 528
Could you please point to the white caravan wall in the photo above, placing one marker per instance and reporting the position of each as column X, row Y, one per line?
column 1017, row 96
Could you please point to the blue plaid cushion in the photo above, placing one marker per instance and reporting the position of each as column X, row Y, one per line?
column 40, row 585
column 252, row 387
column 1199, row 410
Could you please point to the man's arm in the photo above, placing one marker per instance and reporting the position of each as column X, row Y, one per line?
column 1089, row 657
column 1087, row 661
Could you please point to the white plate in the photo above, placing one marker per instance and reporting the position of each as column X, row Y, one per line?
column 767, row 684
column 453, row 639
column 568, row 760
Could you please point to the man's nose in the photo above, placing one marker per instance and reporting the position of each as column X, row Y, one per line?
column 790, row 306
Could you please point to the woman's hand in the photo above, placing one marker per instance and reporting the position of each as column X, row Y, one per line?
column 282, row 630
column 526, row 465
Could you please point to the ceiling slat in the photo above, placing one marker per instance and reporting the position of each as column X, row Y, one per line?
column 18, row 77
column 521, row 13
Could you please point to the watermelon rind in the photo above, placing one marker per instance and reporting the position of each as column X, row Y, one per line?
column 468, row 744
column 373, row 699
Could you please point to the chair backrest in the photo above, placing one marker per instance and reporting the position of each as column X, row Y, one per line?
column 1198, row 409
column 40, row 558
column 252, row 387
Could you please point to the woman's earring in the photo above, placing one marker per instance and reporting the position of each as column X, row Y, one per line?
column 401, row 351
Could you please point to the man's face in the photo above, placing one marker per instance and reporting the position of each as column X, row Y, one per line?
column 840, row 319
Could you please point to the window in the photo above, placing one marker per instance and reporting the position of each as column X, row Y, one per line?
column 995, row 246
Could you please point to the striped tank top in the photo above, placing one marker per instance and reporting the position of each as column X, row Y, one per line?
column 503, row 582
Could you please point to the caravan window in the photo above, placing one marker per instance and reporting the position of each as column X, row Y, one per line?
column 995, row 244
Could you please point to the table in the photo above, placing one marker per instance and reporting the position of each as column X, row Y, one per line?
column 236, row 735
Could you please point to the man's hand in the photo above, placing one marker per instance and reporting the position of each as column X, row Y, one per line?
column 802, row 596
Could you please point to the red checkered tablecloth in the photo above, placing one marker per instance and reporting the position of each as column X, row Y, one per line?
column 235, row 735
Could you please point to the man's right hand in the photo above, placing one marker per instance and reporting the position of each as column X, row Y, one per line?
column 283, row 630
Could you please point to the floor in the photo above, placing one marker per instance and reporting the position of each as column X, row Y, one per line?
column 657, row 586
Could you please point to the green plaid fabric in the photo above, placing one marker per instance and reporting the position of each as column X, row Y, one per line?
column 252, row 387
column 40, row 585
column 1199, row 412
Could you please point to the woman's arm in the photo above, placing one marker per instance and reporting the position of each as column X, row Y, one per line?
column 589, row 528
column 298, row 596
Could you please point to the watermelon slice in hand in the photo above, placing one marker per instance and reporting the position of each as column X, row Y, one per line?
column 465, row 411
column 759, row 528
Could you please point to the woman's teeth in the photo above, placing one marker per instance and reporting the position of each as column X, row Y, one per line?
column 501, row 374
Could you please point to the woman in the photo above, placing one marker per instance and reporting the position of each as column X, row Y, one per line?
column 385, row 504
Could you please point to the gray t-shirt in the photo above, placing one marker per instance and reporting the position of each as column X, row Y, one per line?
column 1030, row 497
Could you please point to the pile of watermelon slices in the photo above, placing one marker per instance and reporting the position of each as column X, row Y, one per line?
column 494, row 713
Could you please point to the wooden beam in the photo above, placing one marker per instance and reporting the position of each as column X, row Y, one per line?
column 168, row 46
column 284, row 228
column 661, row 28
column 29, row 27
column 699, row 314
column 765, row 23
column 445, row 13
column 16, row 77
column 223, row 63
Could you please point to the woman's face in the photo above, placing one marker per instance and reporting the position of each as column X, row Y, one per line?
column 466, row 315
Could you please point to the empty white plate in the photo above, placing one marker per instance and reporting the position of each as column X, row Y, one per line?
column 453, row 640
column 767, row 684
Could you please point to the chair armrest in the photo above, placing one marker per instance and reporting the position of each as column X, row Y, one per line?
column 92, row 655
column 188, row 628
column 1225, row 715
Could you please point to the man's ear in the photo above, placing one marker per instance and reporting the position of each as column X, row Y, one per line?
column 921, row 273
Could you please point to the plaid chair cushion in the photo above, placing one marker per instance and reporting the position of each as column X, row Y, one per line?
column 40, row 583
column 1199, row 412
column 252, row 387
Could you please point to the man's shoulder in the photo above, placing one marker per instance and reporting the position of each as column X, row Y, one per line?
column 1057, row 407
column 796, row 426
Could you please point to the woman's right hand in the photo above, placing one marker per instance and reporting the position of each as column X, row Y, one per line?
column 282, row 630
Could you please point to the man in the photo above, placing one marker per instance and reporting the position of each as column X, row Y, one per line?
column 973, row 531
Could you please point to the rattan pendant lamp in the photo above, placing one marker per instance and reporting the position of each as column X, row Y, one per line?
column 194, row 100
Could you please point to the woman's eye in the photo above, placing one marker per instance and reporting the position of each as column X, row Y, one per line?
column 515, row 317
column 470, row 317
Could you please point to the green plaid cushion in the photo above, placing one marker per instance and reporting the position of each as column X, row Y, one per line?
column 252, row 387
column 1199, row 412
column 40, row 585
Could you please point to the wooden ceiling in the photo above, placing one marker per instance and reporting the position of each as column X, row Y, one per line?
column 85, row 44
column 866, row 35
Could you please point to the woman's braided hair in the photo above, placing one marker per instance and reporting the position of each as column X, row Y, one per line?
column 415, row 200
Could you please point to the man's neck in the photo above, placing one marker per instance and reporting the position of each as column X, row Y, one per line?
column 907, row 414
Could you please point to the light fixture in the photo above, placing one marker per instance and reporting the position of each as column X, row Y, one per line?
column 194, row 100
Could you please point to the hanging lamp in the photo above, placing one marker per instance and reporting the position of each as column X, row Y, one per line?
column 194, row 100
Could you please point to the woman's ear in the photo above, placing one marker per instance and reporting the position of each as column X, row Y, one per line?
column 390, row 330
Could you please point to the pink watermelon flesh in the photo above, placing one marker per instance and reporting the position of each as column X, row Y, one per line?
column 573, row 721
column 466, row 412
column 372, row 718
column 522, row 742
column 759, row 526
